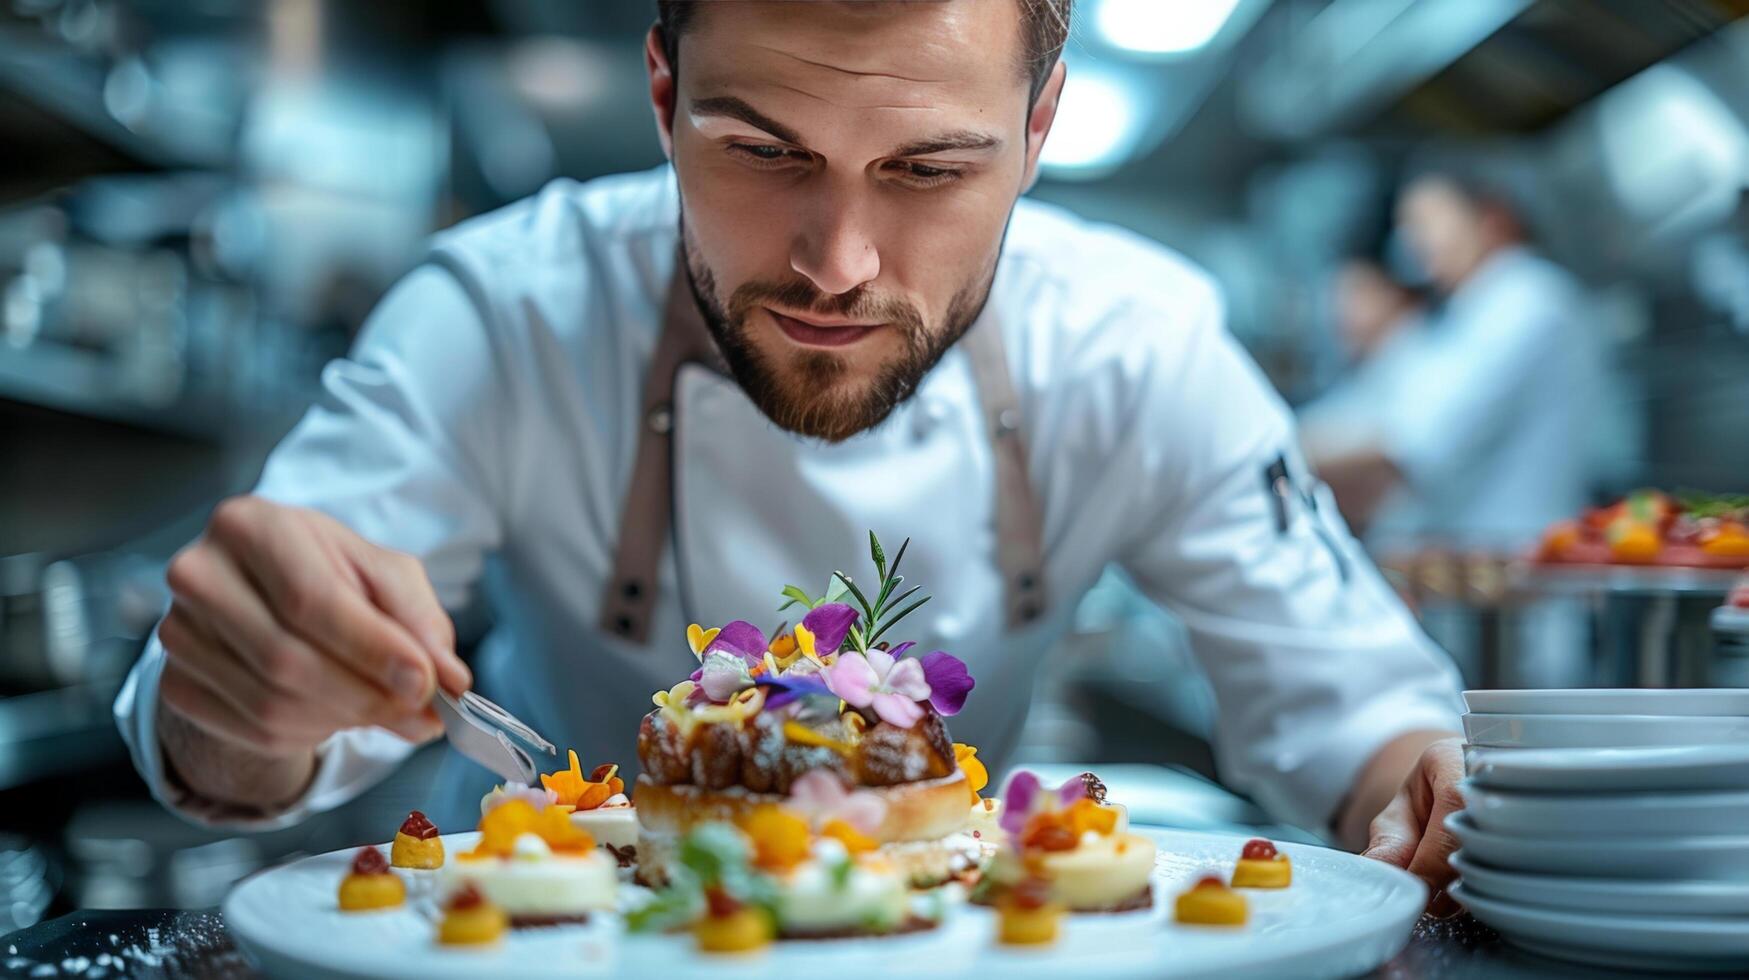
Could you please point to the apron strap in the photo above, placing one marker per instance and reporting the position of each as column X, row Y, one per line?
column 629, row 598
column 1019, row 519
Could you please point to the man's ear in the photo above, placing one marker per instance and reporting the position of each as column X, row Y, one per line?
column 1038, row 122
column 662, row 88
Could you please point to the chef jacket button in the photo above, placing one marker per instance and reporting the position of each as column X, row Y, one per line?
column 631, row 589
column 1026, row 581
column 661, row 419
column 624, row 625
column 1007, row 421
column 1028, row 612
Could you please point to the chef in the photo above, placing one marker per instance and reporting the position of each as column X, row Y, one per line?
column 1491, row 427
column 650, row 400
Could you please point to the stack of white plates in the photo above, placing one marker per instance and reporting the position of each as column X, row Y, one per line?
column 1610, row 826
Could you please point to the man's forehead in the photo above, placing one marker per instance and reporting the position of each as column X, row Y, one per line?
column 942, row 55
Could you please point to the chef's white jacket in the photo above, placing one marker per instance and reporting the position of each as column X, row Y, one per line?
column 487, row 418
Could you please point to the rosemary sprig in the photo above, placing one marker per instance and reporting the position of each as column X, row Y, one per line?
column 875, row 618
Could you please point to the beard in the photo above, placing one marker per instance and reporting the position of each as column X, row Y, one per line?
column 815, row 393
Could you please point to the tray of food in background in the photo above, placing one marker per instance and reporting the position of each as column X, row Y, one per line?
column 1655, row 529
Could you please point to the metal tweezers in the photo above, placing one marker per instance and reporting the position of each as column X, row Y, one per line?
column 482, row 731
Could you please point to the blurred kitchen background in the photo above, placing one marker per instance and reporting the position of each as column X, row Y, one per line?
column 200, row 200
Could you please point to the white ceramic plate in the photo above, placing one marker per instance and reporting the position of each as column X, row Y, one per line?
column 1605, row 894
column 1529, row 814
column 1688, row 767
column 1612, row 701
column 1712, row 858
column 1344, row 915
column 1603, row 731
column 1642, row 942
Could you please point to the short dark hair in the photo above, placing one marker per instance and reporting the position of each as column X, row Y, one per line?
column 1044, row 26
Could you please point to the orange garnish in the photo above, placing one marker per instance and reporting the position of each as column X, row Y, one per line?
column 1085, row 815
column 502, row 824
column 554, row 826
column 1049, row 831
column 852, row 839
column 780, row 838
column 583, row 794
column 783, row 646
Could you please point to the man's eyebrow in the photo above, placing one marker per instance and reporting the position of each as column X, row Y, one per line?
column 963, row 139
column 734, row 108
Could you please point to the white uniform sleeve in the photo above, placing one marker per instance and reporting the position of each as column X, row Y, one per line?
column 407, row 445
column 1314, row 662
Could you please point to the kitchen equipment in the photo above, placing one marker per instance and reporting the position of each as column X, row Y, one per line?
column 1676, row 767
column 1606, row 815
column 1693, row 857
column 1609, row 827
column 1603, row 731
column 482, row 731
column 1344, row 915
column 1611, row 701
column 1627, row 895
column 1617, row 940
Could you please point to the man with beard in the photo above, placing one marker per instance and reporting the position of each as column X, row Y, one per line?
column 650, row 400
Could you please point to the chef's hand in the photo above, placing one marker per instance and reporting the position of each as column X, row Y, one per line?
column 1410, row 831
column 285, row 628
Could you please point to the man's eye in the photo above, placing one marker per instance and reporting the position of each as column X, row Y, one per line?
column 922, row 174
column 761, row 152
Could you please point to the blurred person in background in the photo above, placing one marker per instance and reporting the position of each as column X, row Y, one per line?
column 1381, row 324
column 1489, row 431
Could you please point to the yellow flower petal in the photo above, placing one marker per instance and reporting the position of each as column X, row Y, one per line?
column 803, row 735
column 698, row 638
column 805, row 640
column 977, row 777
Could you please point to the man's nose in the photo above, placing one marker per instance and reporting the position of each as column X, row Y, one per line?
column 835, row 248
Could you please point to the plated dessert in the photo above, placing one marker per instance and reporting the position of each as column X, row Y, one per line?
column 797, row 786
column 1262, row 866
column 417, row 844
column 597, row 804
column 535, row 865
column 1071, row 844
column 832, row 714
column 773, row 875
column 1650, row 527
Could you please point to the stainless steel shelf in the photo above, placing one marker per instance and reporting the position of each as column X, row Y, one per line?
column 56, row 732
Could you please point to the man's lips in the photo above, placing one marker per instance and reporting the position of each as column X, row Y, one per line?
column 815, row 333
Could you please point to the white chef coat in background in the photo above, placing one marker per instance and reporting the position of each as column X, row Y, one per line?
column 1499, row 438
column 487, row 419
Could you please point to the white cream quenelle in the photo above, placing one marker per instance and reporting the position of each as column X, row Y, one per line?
column 488, row 419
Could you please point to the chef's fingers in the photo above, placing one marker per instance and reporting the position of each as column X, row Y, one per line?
column 1393, row 834
column 400, row 587
column 1432, row 856
column 209, row 581
column 206, row 710
column 202, row 656
column 301, row 568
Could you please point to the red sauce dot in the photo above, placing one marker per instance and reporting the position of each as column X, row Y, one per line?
column 1258, row 849
column 369, row 861
column 721, row 903
column 466, row 897
column 419, row 826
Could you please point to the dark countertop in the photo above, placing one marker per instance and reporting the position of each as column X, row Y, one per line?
column 163, row 944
